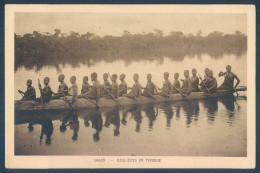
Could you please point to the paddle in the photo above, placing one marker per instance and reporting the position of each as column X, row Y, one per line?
column 134, row 96
column 68, row 101
column 179, row 91
column 151, row 94
column 231, row 85
column 162, row 91
column 204, row 84
column 111, row 94
column 40, row 92
column 20, row 92
column 91, row 101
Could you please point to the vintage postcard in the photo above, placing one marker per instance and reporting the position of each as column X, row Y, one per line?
column 130, row 86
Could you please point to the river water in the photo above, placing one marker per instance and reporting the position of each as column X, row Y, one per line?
column 215, row 127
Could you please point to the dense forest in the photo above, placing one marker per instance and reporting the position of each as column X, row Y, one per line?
column 41, row 49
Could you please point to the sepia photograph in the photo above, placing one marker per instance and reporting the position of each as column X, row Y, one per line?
column 130, row 85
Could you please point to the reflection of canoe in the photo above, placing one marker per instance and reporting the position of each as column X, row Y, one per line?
column 84, row 103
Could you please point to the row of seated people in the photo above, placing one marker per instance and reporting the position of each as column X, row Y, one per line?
column 108, row 90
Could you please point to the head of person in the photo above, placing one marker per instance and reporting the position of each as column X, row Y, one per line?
column 46, row 80
column 136, row 77
column 105, row 76
column 176, row 76
column 116, row 132
column 30, row 127
column 166, row 75
column 186, row 73
column 149, row 77
column 86, row 122
column 122, row 77
column 94, row 76
column 29, row 82
column 85, row 79
column 61, row 78
column 114, row 77
column 194, row 72
column 74, row 137
column 63, row 127
column 228, row 68
column 73, row 79
column 206, row 71
column 96, row 137
column 210, row 73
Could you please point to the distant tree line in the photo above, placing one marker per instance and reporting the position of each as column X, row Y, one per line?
column 40, row 49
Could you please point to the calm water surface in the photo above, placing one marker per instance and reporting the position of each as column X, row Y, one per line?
column 215, row 127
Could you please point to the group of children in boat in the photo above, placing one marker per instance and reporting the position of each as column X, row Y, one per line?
column 112, row 90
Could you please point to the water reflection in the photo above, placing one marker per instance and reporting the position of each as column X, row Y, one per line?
column 168, row 112
column 47, row 129
column 94, row 116
column 211, row 104
column 231, row 111
column 191, row 110
column 72, row 121
column 112, row 118
column 151, row 112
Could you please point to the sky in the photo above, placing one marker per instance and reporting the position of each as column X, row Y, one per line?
column 115, row 23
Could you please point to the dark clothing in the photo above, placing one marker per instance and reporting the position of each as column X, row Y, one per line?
column 122, row 88
column 85, row 88
column 194, row 84
column 63, row 87
column 228, row 82
column 46, row 94
column 166, row 89
column 136, row 91
column 29, row 94
column 150, row 87
column 176, row 84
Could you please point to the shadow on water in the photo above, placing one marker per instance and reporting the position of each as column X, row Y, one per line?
column 112, row 118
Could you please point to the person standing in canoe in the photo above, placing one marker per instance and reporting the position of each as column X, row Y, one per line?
column 29, row 94
column 113, row 89
column 150, row 88
column 229, row 79
column 186, row 86
column 85, row 86
column 73, row 90
column 136, row 89
column 95, row 91
column 46, row 92
column 63, row 87
column 176, row 83
column 194, row 81
column 166, row 90
column 105, row 88
column 122, row 86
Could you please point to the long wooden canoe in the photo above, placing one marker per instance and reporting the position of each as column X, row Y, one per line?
column 122, row 101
